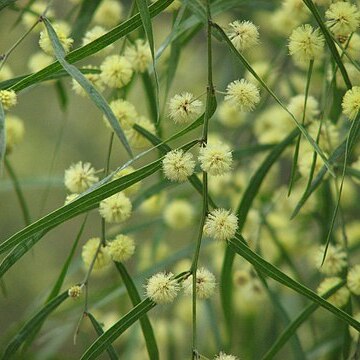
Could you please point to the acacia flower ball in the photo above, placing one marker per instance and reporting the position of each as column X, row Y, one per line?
column 8, row 99
column 139, row 55
column 205, row 284
column 94, row 34
column 124, row 111
column 178, row 165
column 306, row 44
column 88, row 253
column 14, row 130
column 343, row 18
column 215, row 159
column 62, row 31
column 109, row 13
column 335, row 261
column 94, row 78
column 243, row 94
column 341, row 296
column 116, row 208
column 135, row 138
column 351, row 102
column 353, row 280
column 296, row 107
column 243, row 34
column 183, row 108
column 221, row 225
column 70, row 198
column 179, row 214
column 121, row 248
column 229, row 115
column 75, row 291
column 223, row 356
column 162, row 288
column 38, row 61
column 79, row 177
column 133, row 189
column 116, row 71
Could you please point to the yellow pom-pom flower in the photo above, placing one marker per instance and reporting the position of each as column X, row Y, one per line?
column 178, row 165
column 75, row 291
column 94, row 78
column 335, row 261
column 184, row 108
column 139, row 55
column 306, row 44
column 14, row 130
column 162, row 288
column 229, row 115
column 154, row 204
column 8, row 99
column 79, row 177
column 178, row 214
column 353, row 280
column 215, row 159
column 343, row 18
column 94, row 34
column 223, row 356
column 243, row 34
column 38, row 61
column 205, row 284
column 351, row 102
column 341, row 296
column 296, row 107
column 133, row 189
column 121, row 248
column 124, row 111
column 116, row 208
column 242, row 94
column 109, row 13
column 62, row 31
column 135, row 138
column 221, row 225
column 116, row 71
column 88, row 253
column 70, row 197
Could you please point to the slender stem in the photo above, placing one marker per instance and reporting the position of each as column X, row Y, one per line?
column 205, row 204
column 19, row 193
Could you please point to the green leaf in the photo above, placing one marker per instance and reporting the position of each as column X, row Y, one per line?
column 150, row 95
column 106, row 339
column 5, row 3
column 242, row 212
column 238, row 245
column 272, row 94
column 329, row 41
column 251, row 150
column 62, row 95
column 99, row 330
column 146, row 22
column 92, row 48
column 290, row 330
column 144, row 320
column 2, row 136
column 83, row 19
column 32, row 324
column 93, row 93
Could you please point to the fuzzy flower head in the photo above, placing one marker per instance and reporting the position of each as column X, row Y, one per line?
column 353, row 280
column 221, row 225
column 88, row 253
column 75, row 291
column 179, row 214
column 133, row 189
column 243, row 35
column 215, row 159
column 8, row 99
column 183, row 108
column 229, row 115
column 296, row 107
column 93, row 34
column 37, row 8
column 351, row 102
column 116, row 208
column 70, row 198
column 94, row 78
column 205, row 284
column 154, row 204
column 243, row 94
column 341, row 296
column 335, row 260
column 178, row 165
column 124, row 111
column 162, row 288
column 139, row 55
column 136, row 139
column 223, row 356
column 306, row 44
column 109, row 13
column 6, row 73
column 343, row 18
column 79, row 177
column 38, row 61
column 121, row 248
column 116, row 71
column 14, row 130
column 62, row 31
